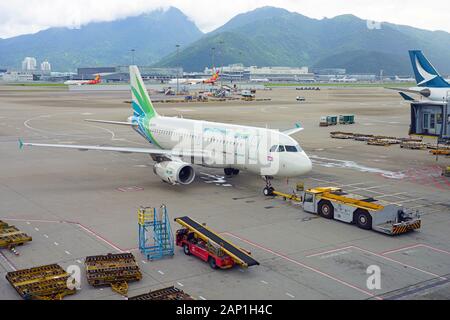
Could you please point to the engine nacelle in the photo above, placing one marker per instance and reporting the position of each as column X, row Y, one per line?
column 175, row 172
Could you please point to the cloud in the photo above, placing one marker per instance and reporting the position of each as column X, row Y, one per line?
column 27, row 16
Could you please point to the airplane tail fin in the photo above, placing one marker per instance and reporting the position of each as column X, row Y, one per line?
column 425, row 73
column 142, row 105
column 97, row 77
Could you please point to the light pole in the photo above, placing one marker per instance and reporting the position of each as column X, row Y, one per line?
column 242, row 72
column 178, row 69
column 213, row 49
column 132, row 55
column 221, row 60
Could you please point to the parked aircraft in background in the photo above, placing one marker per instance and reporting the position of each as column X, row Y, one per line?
column 97, row 80
column 182, row 81
column 431, row 86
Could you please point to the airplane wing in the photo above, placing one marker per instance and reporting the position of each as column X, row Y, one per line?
column 169, row 153
column 298, row 128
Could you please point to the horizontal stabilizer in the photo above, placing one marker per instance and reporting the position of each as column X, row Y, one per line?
column 406, row 97
column 119, row 123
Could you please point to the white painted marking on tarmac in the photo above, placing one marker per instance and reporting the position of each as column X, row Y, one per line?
column 202, row 298
column 87, row 114
column 56, row 243
column 347, row 164
column 144, row 262
column 180, row 284
column 409, row 200
column 67, row 252
column 79, row 261
column 290, row 295
column 160, row 272
column 264, row 282
column 37, row 229
column 7, row 261
column 28, row 222
column 45, row 236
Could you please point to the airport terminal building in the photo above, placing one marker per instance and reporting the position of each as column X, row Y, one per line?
column 430, row 119
column 121, row 73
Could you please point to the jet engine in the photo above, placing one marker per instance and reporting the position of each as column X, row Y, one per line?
column 175, row 172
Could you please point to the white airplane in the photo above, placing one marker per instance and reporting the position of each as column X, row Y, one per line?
column 178, row 144
column 182, row 81
column 398, row 79
column 259, row 80
column 431, row 86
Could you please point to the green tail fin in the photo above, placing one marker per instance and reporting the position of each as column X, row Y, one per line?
column 142, row 105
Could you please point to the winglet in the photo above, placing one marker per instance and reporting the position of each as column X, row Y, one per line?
column 298, row 128
column 20, row 144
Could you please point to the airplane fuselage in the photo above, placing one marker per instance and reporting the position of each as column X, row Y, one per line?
column 432, row 94
column 229, row 146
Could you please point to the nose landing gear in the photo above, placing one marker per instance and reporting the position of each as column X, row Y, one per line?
column 268, row 190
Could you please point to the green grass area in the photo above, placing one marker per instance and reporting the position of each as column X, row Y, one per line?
column 344, row 85
column 37, row 84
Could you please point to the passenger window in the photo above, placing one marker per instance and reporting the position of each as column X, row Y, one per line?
column 281, row 149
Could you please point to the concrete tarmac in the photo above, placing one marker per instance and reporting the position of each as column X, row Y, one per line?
column 75, row 204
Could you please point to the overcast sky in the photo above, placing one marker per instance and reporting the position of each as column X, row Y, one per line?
column 28, row 16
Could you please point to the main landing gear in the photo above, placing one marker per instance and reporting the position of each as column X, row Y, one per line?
column 268, row 190
column 231, row 172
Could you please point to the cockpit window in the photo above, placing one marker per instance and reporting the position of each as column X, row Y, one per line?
column 291, row 149
column 286, row 149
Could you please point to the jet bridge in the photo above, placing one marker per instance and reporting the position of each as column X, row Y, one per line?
column 239, row 256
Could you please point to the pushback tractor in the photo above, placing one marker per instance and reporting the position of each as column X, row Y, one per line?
column 366, row 213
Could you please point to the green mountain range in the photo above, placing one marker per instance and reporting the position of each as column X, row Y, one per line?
column 267, row 36
column 276, row 37
column 152, row 35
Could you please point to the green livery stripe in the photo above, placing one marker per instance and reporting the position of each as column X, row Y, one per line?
column 139, row 99
column 148, row 133
column 146, row 104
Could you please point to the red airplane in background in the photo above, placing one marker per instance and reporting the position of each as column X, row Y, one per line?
column 97, row 80
column 212, row 80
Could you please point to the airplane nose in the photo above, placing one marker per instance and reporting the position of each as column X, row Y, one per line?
column 305, row 164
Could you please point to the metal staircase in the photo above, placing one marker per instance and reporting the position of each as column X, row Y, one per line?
column 155, row 234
